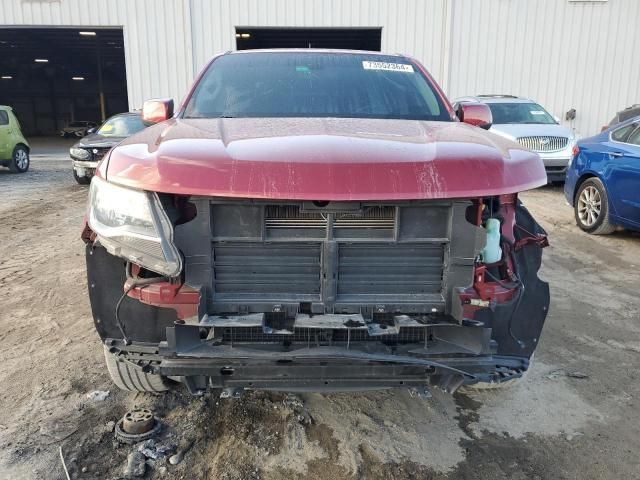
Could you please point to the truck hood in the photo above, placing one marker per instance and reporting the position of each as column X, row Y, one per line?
column 516, row 130
column 323, row 159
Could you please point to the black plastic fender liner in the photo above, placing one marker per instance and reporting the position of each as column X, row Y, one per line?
column 517, row 332
column 105, row 277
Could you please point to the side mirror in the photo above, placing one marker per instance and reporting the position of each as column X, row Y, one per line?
column 556, row 118
column 91, row 130
column 476, row 114
column 156, row 111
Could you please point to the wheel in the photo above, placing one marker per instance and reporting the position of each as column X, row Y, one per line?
column 81, row 180
column 132, row 379
column 591, row 208
column 20, row 160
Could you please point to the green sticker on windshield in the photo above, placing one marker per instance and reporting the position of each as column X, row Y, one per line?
column 303, row 69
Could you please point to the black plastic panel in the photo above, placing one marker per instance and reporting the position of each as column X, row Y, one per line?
column 268, row 271
column 342, row 257
column 406, row 271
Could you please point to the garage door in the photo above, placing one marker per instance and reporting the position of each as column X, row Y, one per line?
column 342, row 38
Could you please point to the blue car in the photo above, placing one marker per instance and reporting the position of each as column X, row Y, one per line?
column 603, row 179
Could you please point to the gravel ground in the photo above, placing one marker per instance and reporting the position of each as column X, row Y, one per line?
column 575, row 417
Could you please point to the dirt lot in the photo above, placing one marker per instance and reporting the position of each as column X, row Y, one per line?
column 575, row 417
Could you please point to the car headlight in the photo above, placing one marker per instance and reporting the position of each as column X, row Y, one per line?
column 132, row 224
column 80, row 153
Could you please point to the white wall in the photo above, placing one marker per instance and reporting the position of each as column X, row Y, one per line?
column 413, row 27
column 163, row 52
column 563, row 53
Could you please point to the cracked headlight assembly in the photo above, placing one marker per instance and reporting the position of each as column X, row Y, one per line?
column 132, row 224
column 80, row 153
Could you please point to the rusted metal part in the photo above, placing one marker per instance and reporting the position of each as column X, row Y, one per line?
column 541, row 240
column 138, row 420
column 87, row 235
column 137, row 425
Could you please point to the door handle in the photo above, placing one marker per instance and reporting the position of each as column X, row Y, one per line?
column 616, row 154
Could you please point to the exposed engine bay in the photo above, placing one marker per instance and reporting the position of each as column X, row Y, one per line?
column 329, row 295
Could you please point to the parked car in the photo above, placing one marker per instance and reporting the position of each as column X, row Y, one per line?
column 86, row 154
column 14, row 148
column 77, row 129
column 529, row 124
column 315, row 220
column 603, row 181
column 623, row 116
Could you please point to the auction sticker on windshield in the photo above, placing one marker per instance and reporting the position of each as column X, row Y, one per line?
column 394, row 67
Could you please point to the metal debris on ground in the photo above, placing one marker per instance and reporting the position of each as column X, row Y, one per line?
column 422, row 393
column 232, row 393
column 98, row 395
column 563, row 373
column 137, row 425
column 156, row 450
column 293, row 402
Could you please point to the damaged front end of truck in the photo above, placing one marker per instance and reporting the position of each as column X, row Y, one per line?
column 298, row 295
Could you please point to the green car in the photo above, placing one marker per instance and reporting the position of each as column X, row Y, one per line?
column 14, row 149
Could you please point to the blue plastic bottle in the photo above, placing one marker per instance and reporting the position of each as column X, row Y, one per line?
column 492, row 252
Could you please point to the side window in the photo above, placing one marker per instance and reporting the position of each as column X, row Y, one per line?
column 634, row 138
column 621, row 134
column 4, row 117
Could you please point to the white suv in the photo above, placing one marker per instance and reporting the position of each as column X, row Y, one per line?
column 527, row 123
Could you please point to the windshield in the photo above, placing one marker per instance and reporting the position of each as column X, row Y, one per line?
column 311, row 84
column 519, row 113
column 121, row 126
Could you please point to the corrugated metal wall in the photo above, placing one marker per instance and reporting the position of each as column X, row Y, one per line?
column 563, row 53
column 164, row 51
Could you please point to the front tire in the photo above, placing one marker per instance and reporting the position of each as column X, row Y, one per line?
column 132, row 379
column 19, row 160
column 591, row 208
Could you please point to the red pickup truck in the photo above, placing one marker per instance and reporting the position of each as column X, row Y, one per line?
column 315, row 220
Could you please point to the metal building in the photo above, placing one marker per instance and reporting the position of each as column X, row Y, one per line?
column 566, row 54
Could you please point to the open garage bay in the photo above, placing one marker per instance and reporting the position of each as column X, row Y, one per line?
column 52, row 77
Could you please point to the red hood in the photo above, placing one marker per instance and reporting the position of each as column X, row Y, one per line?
column 323, row 159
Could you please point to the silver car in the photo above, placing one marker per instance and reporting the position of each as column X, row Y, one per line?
column 527, row 123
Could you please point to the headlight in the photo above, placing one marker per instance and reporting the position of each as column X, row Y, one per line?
column 80, row 153
column 133, row 225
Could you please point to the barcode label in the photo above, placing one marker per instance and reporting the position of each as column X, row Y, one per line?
column 393, row 67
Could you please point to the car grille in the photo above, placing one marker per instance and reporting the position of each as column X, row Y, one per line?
column 98, row 152
column 289, row 254
column 544, row 143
